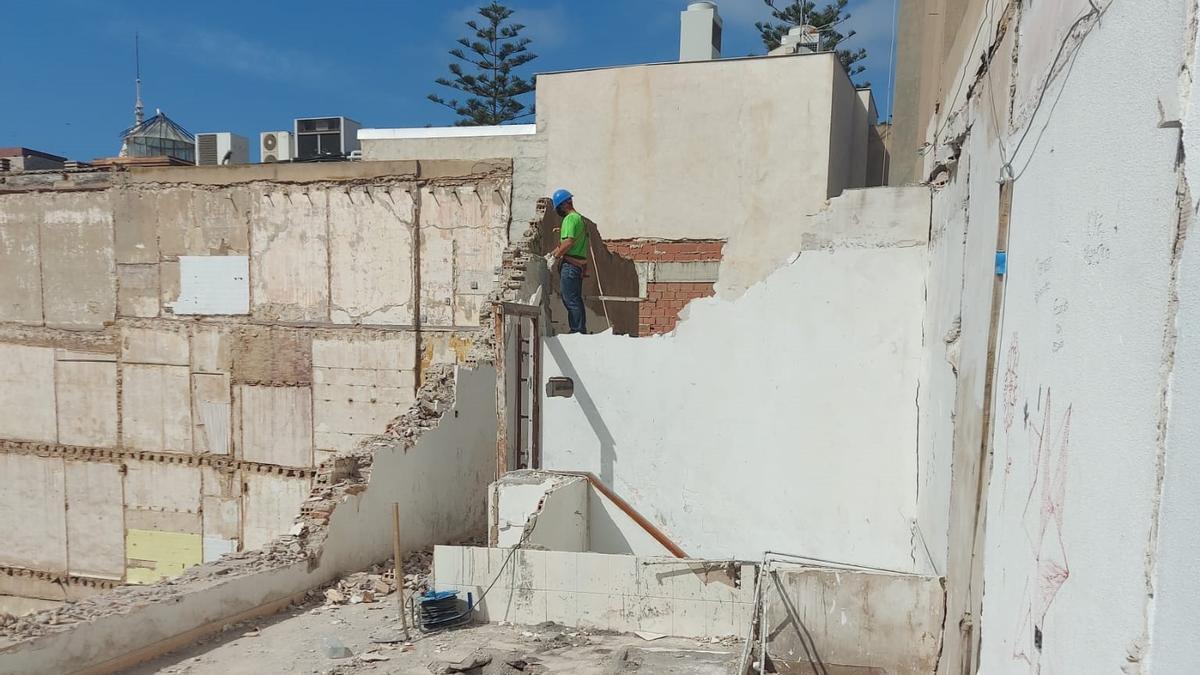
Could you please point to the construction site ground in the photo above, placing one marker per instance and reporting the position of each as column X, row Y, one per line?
column 296, row 641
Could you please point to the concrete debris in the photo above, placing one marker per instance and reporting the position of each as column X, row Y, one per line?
column 477, row 659
column 373, row 584
column 333, row 648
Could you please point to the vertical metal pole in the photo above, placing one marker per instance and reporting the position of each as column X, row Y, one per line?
column 535, row 393
column 399, row 557
column 763, row 627
column 518, row 419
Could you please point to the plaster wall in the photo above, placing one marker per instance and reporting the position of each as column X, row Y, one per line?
column 539, row 510
column 623, row 593
column 850, row 618
column 526, row 150
column 250, row 320
column 738, row 137
column 1080, row 546
column 711, row 472
column 439, row 482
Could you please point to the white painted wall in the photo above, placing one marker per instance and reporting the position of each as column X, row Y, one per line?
column 690, row 150
column 1177, row 586
column 555, row 506
column 784, row 419
column 1089, row 544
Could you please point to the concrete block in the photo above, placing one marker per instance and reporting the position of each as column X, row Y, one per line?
column 215, row 547
column 158, row 520
column 615, row 573
column 562, row 607
column 222, row 517
column 137, row 290
column 204, row 222
column 211, row 349
column 528, row 607
column 389, row 351
column 33, row 504
column 135, row 223
column 561, row 571
column 168, row 284
column 655, row 615
column 20, row 258
column 220, row 483
column 78, row 355
column 171, row 216
column 86, row 394
column 529, row 570
column 213, row 285
column 211, row 413
column 437, row 276
column 600, row 610
column 79, row 282
column 721, row 621
column 27, row 405
column 371, row 253
column 289, row 266
column 277, row 425
column 156, row 408
column 690, row 618
column 271, row 504
column 162, row 486
column 448, row 565
column 95, row 519
column 272, row 355
column 742, row 614
column 168, row 347
column 658, row 581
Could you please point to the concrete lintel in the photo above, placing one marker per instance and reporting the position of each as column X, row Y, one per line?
column 283, row 172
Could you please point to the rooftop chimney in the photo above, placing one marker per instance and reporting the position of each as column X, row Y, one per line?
column 700, row 32
column 800, row 40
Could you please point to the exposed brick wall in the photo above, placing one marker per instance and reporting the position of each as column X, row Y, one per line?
column 659, row 311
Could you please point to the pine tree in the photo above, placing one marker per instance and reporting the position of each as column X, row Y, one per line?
column 805, row 12
column 492, row 88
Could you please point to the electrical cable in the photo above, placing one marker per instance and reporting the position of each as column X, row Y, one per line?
column 513, row 551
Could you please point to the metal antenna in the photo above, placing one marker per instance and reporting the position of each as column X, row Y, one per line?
column 138, row 115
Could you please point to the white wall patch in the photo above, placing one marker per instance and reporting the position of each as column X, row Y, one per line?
column 213, row 285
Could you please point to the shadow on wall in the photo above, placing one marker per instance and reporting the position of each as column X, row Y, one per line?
column 617, row 275
column 608, row 446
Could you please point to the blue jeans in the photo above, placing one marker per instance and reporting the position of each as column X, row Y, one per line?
column 571, row 285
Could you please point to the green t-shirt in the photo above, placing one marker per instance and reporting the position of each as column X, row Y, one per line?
column 574, row 228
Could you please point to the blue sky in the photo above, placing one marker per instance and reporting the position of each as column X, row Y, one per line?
column 255, row 65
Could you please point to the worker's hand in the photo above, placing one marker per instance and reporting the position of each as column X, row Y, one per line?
column 551, row 259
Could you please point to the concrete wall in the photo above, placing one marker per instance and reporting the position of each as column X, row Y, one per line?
column 850, row 618
column 180, row 348
column 752, row 412
column 1077, row 558
column 691, row 150
column 694, row 598
column 563, row 512
column 439, row 483
column 517, row 143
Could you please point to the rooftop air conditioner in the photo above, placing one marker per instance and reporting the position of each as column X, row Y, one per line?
column 221, row 148
column 275, row 146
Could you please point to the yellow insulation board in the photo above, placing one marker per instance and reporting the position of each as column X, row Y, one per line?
column 151, row 555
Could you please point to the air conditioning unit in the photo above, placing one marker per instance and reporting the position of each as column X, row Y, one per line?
column 318, row 137
column 275, row 146
column 222, row 148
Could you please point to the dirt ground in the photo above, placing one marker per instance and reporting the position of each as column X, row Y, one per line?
column 295, row 641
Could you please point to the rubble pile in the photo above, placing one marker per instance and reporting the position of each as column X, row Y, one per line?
column 380, row 580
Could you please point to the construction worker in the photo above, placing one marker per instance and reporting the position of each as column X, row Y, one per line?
column 572, row 251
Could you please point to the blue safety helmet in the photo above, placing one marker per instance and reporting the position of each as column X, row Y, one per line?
column 561, row 197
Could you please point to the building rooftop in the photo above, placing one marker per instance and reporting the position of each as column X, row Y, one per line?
column 19, row 151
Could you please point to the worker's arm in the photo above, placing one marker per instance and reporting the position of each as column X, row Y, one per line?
column 563, row 247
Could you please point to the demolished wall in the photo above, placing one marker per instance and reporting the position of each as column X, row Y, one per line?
column 181, row 348
column 744, row 428
column 438, row 474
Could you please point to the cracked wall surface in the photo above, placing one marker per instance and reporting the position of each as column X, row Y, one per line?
column 181, row 349
column 1065, row 379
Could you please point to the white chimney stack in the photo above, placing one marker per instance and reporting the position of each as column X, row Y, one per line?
column 700, row 32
